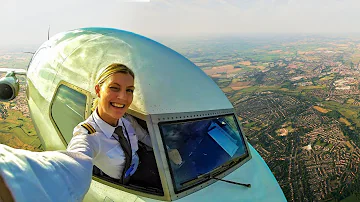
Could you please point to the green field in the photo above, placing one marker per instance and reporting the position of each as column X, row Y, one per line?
column 351, row 198
column 320, row 143
column 17, row 131
column 348, row 111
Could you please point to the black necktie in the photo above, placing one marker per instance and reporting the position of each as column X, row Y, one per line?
column 125, row 145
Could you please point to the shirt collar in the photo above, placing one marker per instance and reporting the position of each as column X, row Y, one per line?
column 106, row 128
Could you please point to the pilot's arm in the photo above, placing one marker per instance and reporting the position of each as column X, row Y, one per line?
column 5, row 194
column 83, row 142
column 51, row 175
column 45, row 176
column 142, row 135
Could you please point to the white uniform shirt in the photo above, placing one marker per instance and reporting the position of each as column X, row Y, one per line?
column 50, row 176
column 66, row 175
column 103, row 148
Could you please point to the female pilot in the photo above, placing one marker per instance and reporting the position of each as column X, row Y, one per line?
column 106, row 136
column 105, row 139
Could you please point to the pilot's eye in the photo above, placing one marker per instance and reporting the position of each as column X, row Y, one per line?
column 114, row 88
column 130, row 90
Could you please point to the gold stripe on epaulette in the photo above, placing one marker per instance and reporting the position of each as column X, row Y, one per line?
column 92, row 128
column 89, row 128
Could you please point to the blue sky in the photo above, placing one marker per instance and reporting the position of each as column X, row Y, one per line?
column 26, row 22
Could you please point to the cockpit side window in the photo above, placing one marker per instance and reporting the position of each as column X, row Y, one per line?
column 67, row 110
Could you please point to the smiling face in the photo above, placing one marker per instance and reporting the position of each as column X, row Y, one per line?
column 115, row 96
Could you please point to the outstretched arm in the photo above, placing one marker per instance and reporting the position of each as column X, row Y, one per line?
column 50, row 175
column 45, row 176
column 5, row 194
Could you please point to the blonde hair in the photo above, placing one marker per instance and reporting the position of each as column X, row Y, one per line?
column 106, row 73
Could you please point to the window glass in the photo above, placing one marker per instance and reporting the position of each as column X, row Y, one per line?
column 206, row 146
column 68, row 110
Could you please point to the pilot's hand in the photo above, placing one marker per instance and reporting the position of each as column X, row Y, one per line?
column 175, row 156
column 5, row 194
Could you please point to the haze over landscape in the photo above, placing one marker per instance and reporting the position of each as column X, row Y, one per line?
column 26, row 22
column 290, row 68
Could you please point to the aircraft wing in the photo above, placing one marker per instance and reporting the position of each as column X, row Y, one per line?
column 16, row 71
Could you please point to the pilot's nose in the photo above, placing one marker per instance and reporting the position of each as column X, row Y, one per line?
column 122, row 95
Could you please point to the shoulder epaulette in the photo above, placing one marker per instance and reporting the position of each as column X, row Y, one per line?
column 89, row 128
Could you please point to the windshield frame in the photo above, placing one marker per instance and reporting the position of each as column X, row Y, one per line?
column 220, row 171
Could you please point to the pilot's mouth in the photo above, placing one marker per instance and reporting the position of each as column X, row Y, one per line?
column 117, row 105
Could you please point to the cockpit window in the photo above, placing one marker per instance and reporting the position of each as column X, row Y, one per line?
column 67, row 110
column 199, row 147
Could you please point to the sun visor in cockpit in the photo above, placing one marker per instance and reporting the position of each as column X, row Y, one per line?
column 221, row 137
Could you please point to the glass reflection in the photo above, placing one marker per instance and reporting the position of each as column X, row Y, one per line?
column 198, row 147
column 67, row 110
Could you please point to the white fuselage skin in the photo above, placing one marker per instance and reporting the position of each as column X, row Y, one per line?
column 73, row 58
